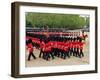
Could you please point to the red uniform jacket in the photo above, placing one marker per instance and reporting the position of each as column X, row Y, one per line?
column 71, row 44
column 47, row 48
column 42, row 44
column 35, row 40
column 74, row 44
column 66, row 46
column 30, row 48
column 81, row 44
column 51, row 43
column 77, row 44
column 55, row 44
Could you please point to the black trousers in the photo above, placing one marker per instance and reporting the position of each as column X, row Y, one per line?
column 55, row 51
column 81, row 53
column 43, row 56
column 62, row 54
column 71, row 51
column 66, row 54
column 77, row 52
column 51, row 55
column 46, row 55
column 41, row 52
column 31, row 54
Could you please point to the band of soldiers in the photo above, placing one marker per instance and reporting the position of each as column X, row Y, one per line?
column 55, row 46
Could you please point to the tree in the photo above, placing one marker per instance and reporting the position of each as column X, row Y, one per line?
column 69, row 21
column 87, row 21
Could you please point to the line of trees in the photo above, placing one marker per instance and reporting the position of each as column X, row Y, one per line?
column 70, row 21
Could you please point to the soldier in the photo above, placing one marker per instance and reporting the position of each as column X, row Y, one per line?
column 55, row 50
column 81, row 44
column 62, row 49
column 50, row 45
column 31, row 49
column 66, row 49
column 74, row 47
column 77, row 47
column 47, row 50
column 84, row 36
column 58, row 49
column 71, row 46
column 41, row 48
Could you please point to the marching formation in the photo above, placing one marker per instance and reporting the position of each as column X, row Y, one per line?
column 51, row 47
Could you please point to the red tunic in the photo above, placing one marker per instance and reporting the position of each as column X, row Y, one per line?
column 81, row 44
column 65, row 48
column 51, row 43
column 46, row 48
column 35, row 40
column 74, row 44
column 62, row 45
column 59, row 45
column 77, row 44
column 55, row 44
column 30, row 48
column 42, row 44
column 71, row 44
column 49, row 48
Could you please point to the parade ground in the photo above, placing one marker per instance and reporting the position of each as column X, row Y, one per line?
column 38, row 62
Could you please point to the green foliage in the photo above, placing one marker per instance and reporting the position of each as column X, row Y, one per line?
column 87, row 21
column 69, row 21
